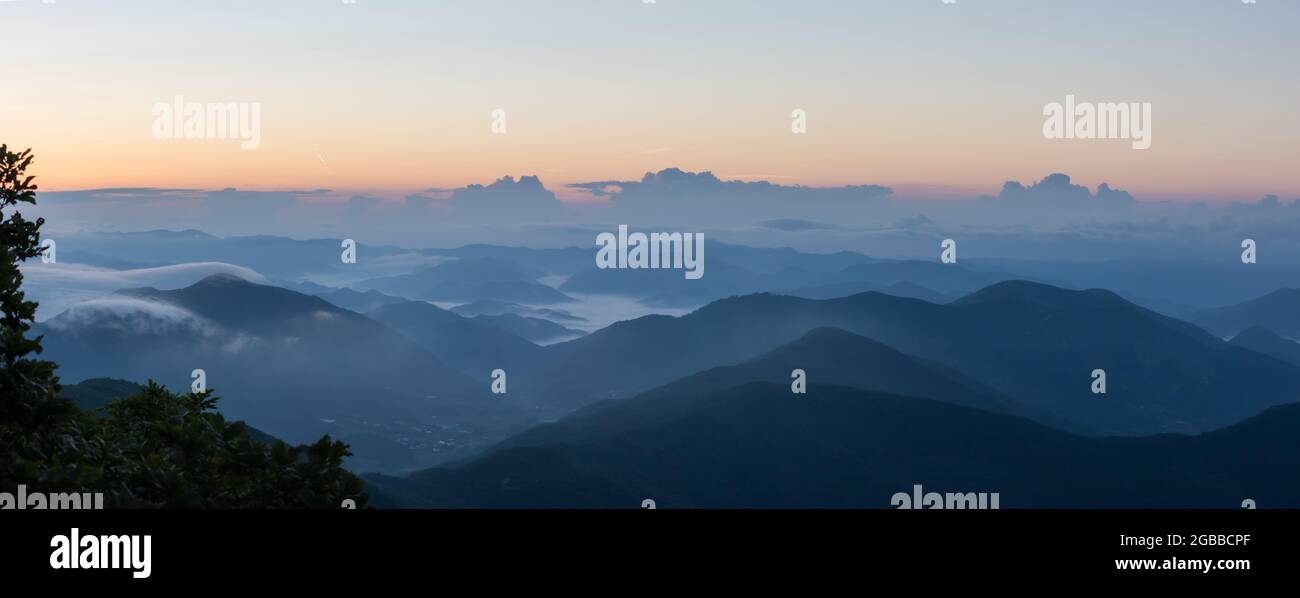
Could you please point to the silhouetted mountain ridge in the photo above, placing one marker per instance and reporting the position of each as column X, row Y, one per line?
column 1278, row 311
column 757, row 445
column 1263, row 340
column 1032, row 342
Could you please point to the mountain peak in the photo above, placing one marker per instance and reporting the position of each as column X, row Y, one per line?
column 1255, row 334
column 1263, row 340
column 829, row 343
column 223, row 278
column 213, row 282
column 238, row 303
column 1037, row 294
column 734, row 304
column 1277, row 312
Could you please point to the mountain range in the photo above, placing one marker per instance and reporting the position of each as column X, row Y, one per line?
column 1032, row 342
column 471, row 279
column 759, row 446
column 1265, row 341
column 1278, row 311
column 408, row 382
column 291, row 364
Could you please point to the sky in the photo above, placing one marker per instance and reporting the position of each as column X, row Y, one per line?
column 389, row 97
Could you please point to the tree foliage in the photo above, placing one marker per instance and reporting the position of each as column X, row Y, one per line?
column 153, row 449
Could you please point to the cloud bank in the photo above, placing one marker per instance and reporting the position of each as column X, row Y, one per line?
column 59, row 286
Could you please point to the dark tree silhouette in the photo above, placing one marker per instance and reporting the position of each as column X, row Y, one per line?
column 31, row 414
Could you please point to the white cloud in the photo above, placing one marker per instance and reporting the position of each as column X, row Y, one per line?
column 59, row 286
column 132, row 315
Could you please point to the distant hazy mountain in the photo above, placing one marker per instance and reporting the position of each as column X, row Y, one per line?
column 488, row 307
column 1035, row 343
column 758, row 445
column 761, row 260
column 471, row 279
column 1160, row 283
column 1167, row 285
column 804, row 277
column 670, row 288
column 844, row 289
column 468, row 344
column 536, row 330
column 729, row 270
column 358, row 301
column 834, row 357
column 557, row 261
column 291, row 364
column 948, row 279
column 1262, row 340
column 779, row 259
column 1278, row 311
